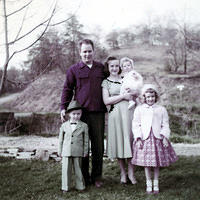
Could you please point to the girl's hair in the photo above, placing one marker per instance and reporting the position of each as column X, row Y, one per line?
column 86, row 41
column 126, row 59
column 150, row 90
column 106, row 64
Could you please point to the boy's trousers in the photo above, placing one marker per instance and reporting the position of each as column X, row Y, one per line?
column 69, row 163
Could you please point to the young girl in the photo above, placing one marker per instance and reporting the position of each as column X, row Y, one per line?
column 151, row 147
column 132, row 80
column 119, row 139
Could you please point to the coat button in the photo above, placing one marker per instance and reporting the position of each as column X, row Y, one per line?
column 71, row 142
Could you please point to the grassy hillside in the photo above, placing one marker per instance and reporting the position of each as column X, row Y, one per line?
column 43, row 95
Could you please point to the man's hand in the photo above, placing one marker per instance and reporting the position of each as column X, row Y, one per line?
column 62, row 115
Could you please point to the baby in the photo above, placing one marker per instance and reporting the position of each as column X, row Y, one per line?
column 132, row 80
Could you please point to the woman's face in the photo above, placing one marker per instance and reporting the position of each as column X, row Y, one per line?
column 113, row 67
column 150, row 98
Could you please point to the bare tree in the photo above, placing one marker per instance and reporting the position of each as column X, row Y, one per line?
column 8, row 57
column 44, row 25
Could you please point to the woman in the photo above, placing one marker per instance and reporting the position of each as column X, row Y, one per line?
column 119, row 138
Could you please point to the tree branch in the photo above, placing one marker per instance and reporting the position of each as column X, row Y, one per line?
column 37, row 38
column 21, row 25
column 19, row 9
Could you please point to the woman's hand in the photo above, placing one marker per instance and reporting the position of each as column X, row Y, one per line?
column 134, row 93
column 127, row 96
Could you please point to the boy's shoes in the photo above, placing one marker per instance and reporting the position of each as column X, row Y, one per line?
column 64, row 191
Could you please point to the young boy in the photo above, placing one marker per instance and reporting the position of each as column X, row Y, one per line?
column 73, row 145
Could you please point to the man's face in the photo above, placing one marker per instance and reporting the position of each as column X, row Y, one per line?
column 87, row 53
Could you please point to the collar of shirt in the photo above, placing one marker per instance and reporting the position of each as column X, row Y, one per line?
column 148, row 106
column 90, row 66
column 82, row 65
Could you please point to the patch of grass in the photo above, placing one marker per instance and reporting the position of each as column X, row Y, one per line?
column 37, row 180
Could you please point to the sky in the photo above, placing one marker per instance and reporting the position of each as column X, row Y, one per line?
column 106, row 14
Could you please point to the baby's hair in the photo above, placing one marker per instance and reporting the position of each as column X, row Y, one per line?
column 106, row 64
column 126, row 59
column 150, row 90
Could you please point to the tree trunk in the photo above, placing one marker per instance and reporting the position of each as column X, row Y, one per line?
column 4, row 75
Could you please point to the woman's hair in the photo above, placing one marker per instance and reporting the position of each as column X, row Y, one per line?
column 106, row 64
column 150, row 90
column 126, row 59
column 86, row 41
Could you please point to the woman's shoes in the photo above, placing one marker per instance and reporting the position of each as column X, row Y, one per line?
column 132, row 180
column 123, row 179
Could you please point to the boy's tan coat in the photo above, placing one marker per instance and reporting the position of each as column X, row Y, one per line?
column 73, row 143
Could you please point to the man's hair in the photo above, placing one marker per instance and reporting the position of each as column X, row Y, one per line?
column 86, row 41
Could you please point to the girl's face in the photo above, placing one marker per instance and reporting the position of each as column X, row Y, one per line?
column 150, row 98
column 113, row 67
column 127, row 67
column 75, row 115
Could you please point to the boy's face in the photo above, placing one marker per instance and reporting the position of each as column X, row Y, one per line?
column 127, row 67
column 150, row 98
column 75, row 115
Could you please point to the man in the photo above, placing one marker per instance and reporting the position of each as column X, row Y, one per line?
column 83, row 81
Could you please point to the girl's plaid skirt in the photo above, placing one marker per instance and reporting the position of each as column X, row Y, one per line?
column 153, row 153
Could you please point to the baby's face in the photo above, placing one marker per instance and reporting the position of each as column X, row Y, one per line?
column 127, row 67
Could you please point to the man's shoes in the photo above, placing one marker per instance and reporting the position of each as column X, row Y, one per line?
column 88, row 182
column 98, row 184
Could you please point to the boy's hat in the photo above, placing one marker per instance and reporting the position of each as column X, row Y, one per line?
column 74, row 105
column 149, row 86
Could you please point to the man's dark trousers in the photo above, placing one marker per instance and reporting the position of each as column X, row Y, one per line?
column 96, row 122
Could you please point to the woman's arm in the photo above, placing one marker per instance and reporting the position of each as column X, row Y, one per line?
column 108, row 100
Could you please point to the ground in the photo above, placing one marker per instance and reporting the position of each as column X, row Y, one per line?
column 30, row 143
